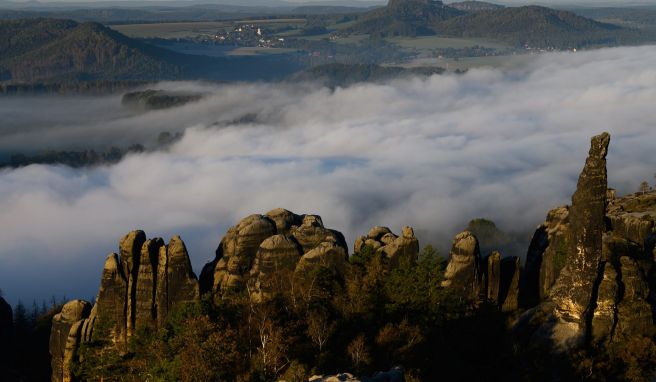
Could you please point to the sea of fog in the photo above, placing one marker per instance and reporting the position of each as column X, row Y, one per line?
column 432, row 153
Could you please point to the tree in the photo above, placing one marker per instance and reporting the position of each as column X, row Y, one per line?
column 644, row 187
column 21, row 321
column 271, row 345
column 205, row 351
column 358, row 352
column 319, row 329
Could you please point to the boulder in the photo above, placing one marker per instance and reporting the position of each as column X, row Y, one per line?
column 392, row 248
column 284, row 220
column 327, row 254
column 377, row 233
column 312, row 232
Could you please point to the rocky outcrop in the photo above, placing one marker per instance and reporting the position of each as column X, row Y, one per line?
column 392, row 248
column 65, row 337
column 6, row 330
column 463, row 274
column 395, row 374
column 602, row 294
column 137, row 290
column 257, row 252
column 574, row 290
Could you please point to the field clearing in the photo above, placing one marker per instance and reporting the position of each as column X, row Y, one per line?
column 192, row 29
column 435, row 42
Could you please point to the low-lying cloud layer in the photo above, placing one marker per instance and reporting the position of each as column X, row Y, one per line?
column 432, row 153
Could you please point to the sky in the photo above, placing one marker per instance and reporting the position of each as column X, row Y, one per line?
column 431, row 153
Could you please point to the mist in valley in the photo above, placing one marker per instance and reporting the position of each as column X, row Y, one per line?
column 432, row 153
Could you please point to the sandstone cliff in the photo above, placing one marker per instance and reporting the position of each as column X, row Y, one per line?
column 137, row 290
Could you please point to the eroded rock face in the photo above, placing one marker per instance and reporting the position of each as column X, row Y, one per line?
column 634, row 311
column 181, row 281
column 605, row 315
column 493, row 277
column 573, row 290
column 138, row 289
column 274, row 265
column 65, row 337
column 509, row 285
column 260, row 248
column 546, row 257
column 393, row 249
column 463, row 273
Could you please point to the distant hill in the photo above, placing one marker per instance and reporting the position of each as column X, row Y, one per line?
column 475, row 6
column 46, row 49
column 405, row 18
column 535, row 26
column 538, row 27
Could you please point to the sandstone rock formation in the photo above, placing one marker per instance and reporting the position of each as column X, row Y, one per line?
column 65, row 337
column 605, row 244
column 258, row 252
column 573, row 292
column 492, row 279
column 396, row 374
column 463, row 272
column 391, row 247
column 137, row 290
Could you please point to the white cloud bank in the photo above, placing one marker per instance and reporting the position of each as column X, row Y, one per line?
column 431, row 153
